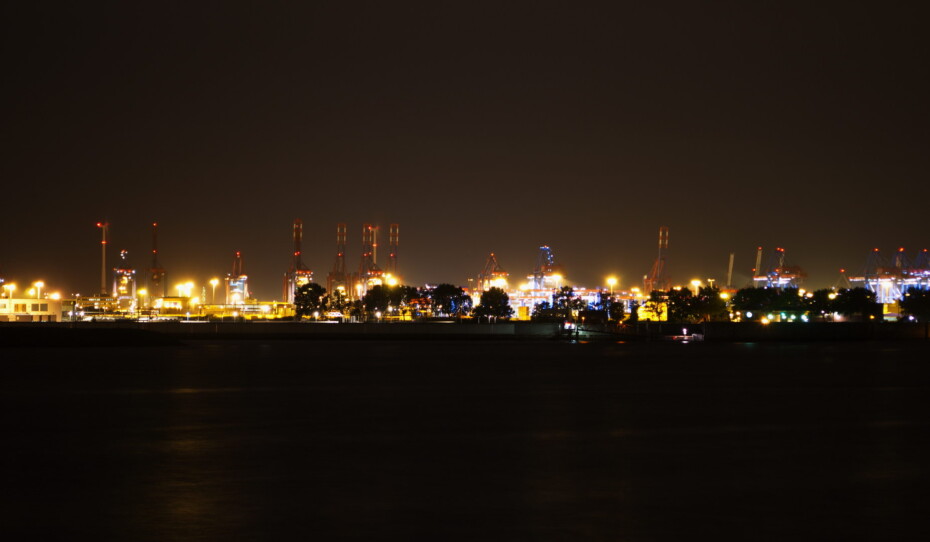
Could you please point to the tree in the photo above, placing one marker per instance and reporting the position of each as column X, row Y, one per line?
column 916, row 303
column 680, row 305
column 337, row 300
column 404, row 297
column 565, row 298
column 562, row 298
column 495, row 303
column 449, row 300
column 760, row 302
column 376, row 299
column 381, row 298
column 396, row 296
column 540, row 309
column 820, row 303
column 788, row 300
column 309, row 298
column 757, row 301
column 355, row 309
column 634, row 313
column 857, row 301
column 708, row 305
column 656, row 305
column 614, row 308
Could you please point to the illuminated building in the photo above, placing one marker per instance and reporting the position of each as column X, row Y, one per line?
column 298, row 274
column 547, row 273
column 777, row 274
column 29, row 309
column 369, row 274
column 658, row 279
column 338, row 279
column 493, row 275
column 237, row 283
column 156, row 271
column 124, row 283
column 891, row 280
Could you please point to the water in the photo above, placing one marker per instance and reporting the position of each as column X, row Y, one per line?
column 465, row 440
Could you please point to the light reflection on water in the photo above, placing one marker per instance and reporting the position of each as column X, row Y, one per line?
column 435, row 439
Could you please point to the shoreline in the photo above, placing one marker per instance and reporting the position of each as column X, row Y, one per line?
column 27, row 334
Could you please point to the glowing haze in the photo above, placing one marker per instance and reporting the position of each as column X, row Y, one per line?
column 477, row 127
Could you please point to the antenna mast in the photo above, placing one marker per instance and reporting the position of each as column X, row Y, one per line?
column 104, row 228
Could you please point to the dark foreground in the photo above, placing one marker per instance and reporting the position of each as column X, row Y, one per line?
column 465, row 440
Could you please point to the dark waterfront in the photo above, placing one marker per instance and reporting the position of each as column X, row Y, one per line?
column 466, row 440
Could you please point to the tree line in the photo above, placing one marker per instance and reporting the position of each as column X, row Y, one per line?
column 753, row 304
column 676, row 305
column 407, row 302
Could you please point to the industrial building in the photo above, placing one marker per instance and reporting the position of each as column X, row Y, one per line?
column 30, row 310
column 776, row 273
column 124, row 295
column 298, row 274
column 237, row 283
column 369, row 273
column 891, row 279
column 124, row 284
column 547, row 278
column 156, row 285
column 39, row 306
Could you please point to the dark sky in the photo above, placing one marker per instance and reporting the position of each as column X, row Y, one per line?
column 476, row 126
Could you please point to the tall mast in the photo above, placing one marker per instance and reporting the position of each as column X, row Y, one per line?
column 156, row 273
column 104, row 227
column 394, row 239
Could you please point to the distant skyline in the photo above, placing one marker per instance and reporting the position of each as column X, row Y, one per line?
column 269, row 286
column 477, row 128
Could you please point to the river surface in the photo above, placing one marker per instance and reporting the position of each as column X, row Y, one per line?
column 470, row 440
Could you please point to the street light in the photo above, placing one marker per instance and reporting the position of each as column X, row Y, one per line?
column 611, row 281
column 10, row 288
column 213, row 283
column 184, row 290
column 142, row 292
column 38, row 284
column 696, row 284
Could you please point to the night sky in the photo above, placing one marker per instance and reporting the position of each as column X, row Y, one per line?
column 477, row 127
